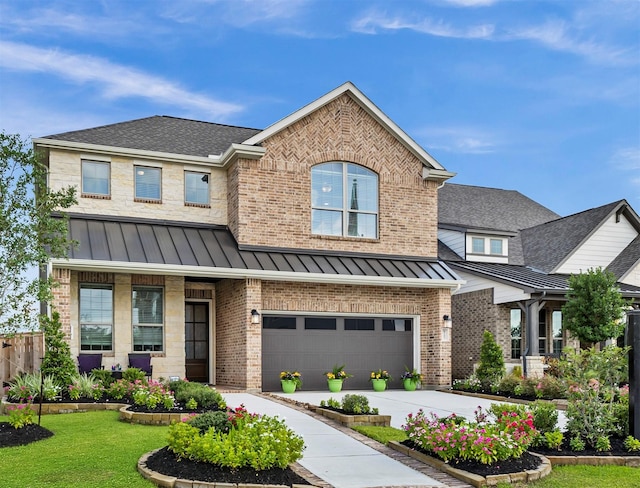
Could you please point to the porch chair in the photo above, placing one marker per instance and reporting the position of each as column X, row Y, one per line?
column 142, row 361
column 89, row 362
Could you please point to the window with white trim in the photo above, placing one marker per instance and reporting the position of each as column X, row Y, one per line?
column 556, row 329
column 96, row 176
column 148, row 183
column 148, row 318
column 196, row 188
column 516, row 333
column 489, row 246
column 96, row 317
column 344, row 200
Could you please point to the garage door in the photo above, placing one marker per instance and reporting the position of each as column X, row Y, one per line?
column 312, row 345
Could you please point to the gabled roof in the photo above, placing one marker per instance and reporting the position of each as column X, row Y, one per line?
column 547, row 245
column 204, row 251
column 627, row 259
column 364, row 102
column 530, row 280
column 480, row 208
column 160, row 134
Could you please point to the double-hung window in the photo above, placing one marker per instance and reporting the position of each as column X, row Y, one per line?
column 148, row 318
column 96, row 317
column 148, row 183
column 196, row 188
column 344, row 200
column 96, row 178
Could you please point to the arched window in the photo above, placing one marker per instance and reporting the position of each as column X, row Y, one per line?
column 344, row 200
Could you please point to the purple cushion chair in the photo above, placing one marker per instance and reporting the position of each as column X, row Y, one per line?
column 89, row 362
column 142, row 362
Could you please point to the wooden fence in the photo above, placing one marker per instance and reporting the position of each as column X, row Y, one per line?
column 20, row 353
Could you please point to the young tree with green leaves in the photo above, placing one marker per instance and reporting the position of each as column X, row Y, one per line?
column 30, row 234
column 595, row 309
column 491, row 368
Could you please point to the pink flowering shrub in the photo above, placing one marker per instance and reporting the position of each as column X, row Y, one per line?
column 480, row 440
column 20, row 415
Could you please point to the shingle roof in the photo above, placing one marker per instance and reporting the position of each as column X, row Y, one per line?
column 529, row 279
column 545, row 246
column 478, row 207
column 164, row 134
column 627, row 259
column 214, row 249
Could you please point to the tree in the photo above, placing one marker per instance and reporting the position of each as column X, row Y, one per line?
column 30, row 233
column 595, row 309
column 57, row 360
column 491, row 368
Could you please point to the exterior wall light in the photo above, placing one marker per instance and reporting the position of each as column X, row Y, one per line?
column 446, row 328
column 255, row 316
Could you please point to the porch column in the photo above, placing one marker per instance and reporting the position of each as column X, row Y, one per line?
column 531, row 360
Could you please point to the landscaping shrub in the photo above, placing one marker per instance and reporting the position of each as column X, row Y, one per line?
column 491, row 368
column 205, row 396
column 258, row 442
column 545, row 416
column 356, row 404
column 85, row 386
column 152, row 395
column 133, row 374
column 20, row 415
column 26, row 387
column 218, row 420
column 104, row 377
column 57, row 363
column 507, row 385
column 550, row 387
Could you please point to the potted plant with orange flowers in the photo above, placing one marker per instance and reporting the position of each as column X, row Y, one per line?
column 290, row 381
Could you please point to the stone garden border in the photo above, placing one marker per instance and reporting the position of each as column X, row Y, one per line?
column 473, row 479
column 354, row 420
column 56, row 408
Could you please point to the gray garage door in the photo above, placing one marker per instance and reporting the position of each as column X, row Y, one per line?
column 312, row 345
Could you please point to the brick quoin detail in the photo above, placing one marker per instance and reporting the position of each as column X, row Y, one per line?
column 62, row 299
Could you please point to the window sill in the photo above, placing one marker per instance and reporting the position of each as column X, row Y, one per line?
column 198, row 205
column 96, row 197
column 345, row 238
column 146, row 200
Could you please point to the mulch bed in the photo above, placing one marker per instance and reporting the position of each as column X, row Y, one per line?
column 617, row 449
column 11, row 437
column 165, row 462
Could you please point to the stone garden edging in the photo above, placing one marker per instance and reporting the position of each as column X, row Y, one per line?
column 71, row 407
column 354, row 420
column 630, row 461
column 473, row 479
column 172, row 482
column 146, row 418
column 560, row 403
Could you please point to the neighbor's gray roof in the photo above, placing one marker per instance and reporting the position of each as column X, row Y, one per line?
column 628, row 258
column 163, row 134
column 545, row 246
column 476, row 207
column 179, row 243
column 490, row 209
column 528, row 279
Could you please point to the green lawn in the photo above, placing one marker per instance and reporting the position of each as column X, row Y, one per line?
column 560, row 477
column 92, row 449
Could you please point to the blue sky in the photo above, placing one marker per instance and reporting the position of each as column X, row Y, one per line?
column 542, row 97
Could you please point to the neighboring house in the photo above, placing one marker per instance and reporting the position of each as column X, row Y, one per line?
column 231, row 254
column 516, row 256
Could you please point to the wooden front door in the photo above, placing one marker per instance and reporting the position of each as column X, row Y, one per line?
column 196, row 335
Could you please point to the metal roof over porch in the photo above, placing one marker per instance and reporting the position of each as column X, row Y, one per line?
column 193, row 250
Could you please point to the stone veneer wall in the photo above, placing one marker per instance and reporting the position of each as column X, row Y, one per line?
column 429, row 304
column 472, row 313
column 270, row 198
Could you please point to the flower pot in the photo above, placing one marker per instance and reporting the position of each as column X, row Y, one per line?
column 409, row 384
column 335, row 385
column 288, row 386
column 379, row 385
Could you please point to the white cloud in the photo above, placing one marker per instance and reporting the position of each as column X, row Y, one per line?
column 556, row 35
column 372, row 22
column 464, row 140
column 114, row 80
column 626, row 158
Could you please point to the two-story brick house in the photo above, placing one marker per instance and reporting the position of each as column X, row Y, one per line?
column 232, row 254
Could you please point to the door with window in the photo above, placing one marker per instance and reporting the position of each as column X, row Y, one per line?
column 196, row 335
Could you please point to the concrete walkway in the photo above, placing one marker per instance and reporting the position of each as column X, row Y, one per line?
column 342, row 461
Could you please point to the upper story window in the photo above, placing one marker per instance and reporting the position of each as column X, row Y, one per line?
column 344, row 200
column 96, row 317
column 196, row 188
column 492, row 246
column 148, row 183
column 96, row 178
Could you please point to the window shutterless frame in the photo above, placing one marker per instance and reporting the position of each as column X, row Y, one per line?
column 96, row 317
column 147, row 303
column 148, row 183
column 96, row 178
column 196, row 188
